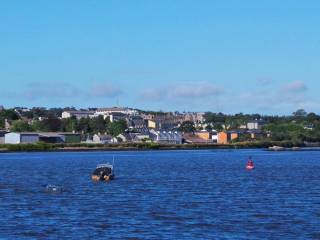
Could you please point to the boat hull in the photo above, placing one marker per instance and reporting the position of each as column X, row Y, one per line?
column 97, row 178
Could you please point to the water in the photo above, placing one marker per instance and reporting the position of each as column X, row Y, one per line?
column 162, row 195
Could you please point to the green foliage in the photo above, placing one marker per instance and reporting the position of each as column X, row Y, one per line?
column 187, row 127
column 286, row 131
column 300, row 113
column 98, row 124
column 117, row 127
column 51, row 124
column 8, row 114
column 29, row 147
column 21, row 126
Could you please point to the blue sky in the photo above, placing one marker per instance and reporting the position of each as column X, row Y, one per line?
column 230, row 56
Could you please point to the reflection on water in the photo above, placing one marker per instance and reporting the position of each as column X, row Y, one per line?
column 162, row 195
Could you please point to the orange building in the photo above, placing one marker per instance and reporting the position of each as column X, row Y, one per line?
column 205, row 135
column 233, row 135
column 222, row 138
column 225, row 137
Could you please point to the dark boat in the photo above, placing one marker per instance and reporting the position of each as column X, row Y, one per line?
column 103, row 172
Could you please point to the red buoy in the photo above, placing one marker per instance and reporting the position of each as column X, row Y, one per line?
column 250, row 164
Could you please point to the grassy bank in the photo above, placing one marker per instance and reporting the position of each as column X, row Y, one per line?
column 139, row 146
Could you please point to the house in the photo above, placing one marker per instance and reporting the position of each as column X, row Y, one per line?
column 104, row 139
column 222, row 138
column 78, row 114
column 1, row 108
column 192, row 138
column 136, row 122
column 140, row 137
column 226, row 137
column 196, row 117
column 125, row 137
column 256, row 124
column 117, row 116
column 255, row 133
column 152, row 124
column 166, row 137
column 21, row 137
column 209, row 136
column 161, row 124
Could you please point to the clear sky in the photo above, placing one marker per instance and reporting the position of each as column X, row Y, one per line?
column 230, row 56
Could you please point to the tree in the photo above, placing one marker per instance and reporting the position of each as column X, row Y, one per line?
column 98, row 124
column 69, row 124
column 21, row 126
column 84, row 125
column 299, row 113
column 187, row 127
column 51, row 124
column 117, row 127
column 8, row 114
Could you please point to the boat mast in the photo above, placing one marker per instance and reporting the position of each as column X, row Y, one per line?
column 113, row 163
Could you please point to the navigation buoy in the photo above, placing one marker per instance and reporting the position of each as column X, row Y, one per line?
column 250, row 164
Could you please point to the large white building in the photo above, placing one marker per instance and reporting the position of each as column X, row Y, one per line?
column 108, row 111
column 21, row 137
column 78, row 114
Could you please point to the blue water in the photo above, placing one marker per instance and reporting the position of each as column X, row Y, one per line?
column 162, row 195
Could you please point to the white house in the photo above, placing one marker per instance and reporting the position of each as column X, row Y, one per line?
column 166, row 137
column 214, row 136
column 101, row 138
column 256, row 124
column 21, row 137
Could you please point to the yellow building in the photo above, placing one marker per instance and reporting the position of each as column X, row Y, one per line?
column 152, row 124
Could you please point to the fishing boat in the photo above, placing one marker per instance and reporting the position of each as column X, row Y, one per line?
column 103, row 172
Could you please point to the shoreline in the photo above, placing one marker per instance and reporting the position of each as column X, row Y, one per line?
column 44, row 147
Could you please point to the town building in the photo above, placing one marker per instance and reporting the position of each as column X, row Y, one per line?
column 103, row 139
column 108, row 111
column 166, row 137
column 21, row 137
column 209, row 136
column 47, row 137
column 226, row 137
column 78, row 114
column 117, row 116
column 256, row 124
column 136, row 122
column 50, row 137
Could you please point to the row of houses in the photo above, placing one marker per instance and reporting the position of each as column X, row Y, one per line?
column 165, row 137
column 223, row 137
column 170, row 137
column 50, row 137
